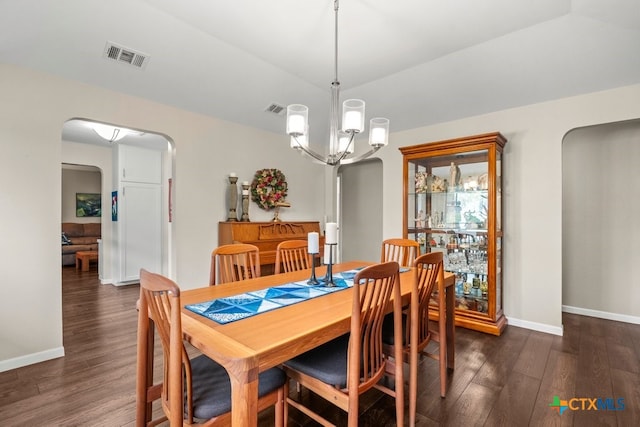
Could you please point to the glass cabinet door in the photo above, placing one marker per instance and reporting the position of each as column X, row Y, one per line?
column 448, row 213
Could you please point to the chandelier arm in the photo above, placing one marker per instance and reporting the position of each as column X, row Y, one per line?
column 309, row 152
column 346, row 149
column 360, row 157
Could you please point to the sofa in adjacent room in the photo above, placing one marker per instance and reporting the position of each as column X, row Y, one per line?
column 80, row 237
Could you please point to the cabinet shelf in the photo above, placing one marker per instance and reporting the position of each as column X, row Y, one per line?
column 453, row 204
column 448, row 192
column 448, row 230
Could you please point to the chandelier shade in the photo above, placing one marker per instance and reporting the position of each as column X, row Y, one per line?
column 341, row 137
column 353, row 115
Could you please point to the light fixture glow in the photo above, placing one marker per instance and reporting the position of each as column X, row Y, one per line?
column 341, row 142
column 110, row 133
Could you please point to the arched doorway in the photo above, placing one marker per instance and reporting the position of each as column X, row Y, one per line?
column 81, row 144
column 600, row 226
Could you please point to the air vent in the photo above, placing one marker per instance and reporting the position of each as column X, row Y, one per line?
column 275, row 109
column 125, row 55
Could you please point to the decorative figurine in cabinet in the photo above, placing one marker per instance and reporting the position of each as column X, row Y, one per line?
column 453, row 204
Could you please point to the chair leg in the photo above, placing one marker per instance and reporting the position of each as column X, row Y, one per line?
column 282, row 414
column 149, row 381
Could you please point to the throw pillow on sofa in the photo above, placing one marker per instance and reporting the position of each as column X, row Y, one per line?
column 65, row 239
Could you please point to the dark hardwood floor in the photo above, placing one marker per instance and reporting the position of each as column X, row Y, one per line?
column 508, row 381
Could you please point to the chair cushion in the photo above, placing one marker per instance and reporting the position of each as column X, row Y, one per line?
column 212, row 387
column 328, row 363
column 387, row 329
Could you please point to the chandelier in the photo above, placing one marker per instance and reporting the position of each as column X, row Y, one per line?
column 341, row 140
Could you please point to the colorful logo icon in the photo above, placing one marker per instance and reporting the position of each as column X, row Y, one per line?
column 587, row 404
column 559, row 405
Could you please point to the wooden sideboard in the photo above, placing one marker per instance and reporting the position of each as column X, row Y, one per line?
column 266, row 236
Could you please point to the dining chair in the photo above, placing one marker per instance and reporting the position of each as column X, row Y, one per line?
column 416, row 333
column 402, row 251
column 234, row 262
column 198, row 389
column 292, row 255
column 346, row 367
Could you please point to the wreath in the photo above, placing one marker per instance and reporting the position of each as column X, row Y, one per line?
column 269, row 187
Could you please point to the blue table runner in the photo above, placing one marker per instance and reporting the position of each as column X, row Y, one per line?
column 236, row 307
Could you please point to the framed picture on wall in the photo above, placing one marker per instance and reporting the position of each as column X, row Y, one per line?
column 114, row 206
column 88, row 204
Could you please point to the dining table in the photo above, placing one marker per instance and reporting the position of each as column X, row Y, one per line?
column 254, row 344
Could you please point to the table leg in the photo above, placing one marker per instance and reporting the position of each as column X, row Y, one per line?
column 451, row 330
column 244, row 394
column 85, row 263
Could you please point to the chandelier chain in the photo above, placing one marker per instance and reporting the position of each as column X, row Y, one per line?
column 341, row 142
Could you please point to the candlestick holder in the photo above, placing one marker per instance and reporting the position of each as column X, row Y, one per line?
column 312, row 280
column 245, row 203
column 328, row 278
column 233, row 199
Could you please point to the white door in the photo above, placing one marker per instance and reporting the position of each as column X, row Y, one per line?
column 141, row 222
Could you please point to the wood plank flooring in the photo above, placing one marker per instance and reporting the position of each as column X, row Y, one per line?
column 498, row 381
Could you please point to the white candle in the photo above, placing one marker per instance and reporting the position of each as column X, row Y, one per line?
column 332, row 233
column 296, row 124
column 327, row 251
column 232, row 174
column 245, row 192
column 313, row 241
column 352, row 120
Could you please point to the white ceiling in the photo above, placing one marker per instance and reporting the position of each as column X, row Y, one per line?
column 416, row 62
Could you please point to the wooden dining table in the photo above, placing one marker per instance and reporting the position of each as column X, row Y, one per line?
column 251, row 345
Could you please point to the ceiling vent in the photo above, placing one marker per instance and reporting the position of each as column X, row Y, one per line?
column 125, row 55
column 275, row 109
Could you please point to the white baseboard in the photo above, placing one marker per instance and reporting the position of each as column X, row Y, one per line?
column 601, row 314
column 534, row 326
column 30, row 359
column 131, row 282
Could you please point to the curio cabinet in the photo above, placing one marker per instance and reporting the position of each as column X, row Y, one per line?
column 453, row 204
